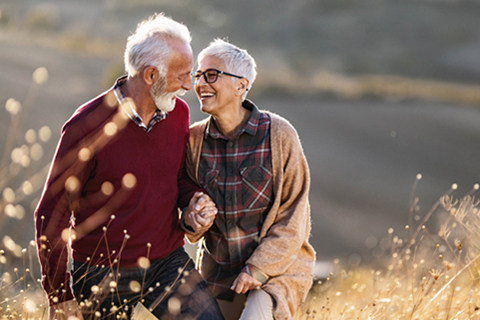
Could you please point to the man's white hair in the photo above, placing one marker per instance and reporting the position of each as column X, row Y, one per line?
column 150, row 44
column 237, row 61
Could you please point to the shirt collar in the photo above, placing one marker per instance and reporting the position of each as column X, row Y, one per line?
column 158, row 116
column 250, row 127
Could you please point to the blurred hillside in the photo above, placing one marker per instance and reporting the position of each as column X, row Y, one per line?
column 352, row 76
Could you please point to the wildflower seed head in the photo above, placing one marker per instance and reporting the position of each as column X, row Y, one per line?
column 458, row 244
column 448, row 265
column 435, row 274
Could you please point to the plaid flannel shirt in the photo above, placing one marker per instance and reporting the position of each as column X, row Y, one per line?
column 237, row 174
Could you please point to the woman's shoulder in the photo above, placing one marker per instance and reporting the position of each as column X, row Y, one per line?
column 198, row 125
column 279, row 124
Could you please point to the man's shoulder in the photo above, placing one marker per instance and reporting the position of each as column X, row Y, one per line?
column 94, row 112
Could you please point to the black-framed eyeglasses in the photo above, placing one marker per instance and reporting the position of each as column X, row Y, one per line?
column 210, row 75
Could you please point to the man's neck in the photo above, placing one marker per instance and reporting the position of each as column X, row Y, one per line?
column 139, row 94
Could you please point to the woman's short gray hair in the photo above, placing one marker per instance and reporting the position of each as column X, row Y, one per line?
column 150, row 44
column 237, row 61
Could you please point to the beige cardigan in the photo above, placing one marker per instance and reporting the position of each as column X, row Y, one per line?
column 283, row 253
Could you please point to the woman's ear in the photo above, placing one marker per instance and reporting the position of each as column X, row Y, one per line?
column 150, row 75
column 242, row 86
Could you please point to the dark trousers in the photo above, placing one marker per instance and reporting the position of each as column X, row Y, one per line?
column 171, row 288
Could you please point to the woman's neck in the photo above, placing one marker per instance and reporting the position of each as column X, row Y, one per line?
column 230, row 123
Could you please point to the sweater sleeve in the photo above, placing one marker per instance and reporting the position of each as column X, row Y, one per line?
column 290, row 215
column 191, row 163
column 67, row 175
column 186, row 185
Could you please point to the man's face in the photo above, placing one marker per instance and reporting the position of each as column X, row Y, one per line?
column 177, row 80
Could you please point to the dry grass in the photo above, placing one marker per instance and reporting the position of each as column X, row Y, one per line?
column 426, row 275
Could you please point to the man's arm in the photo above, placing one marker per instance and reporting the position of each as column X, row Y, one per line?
column 52, row 216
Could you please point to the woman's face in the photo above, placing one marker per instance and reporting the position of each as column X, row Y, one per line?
column 219, row 97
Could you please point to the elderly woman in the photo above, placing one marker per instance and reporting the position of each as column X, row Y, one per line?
column 252, row 165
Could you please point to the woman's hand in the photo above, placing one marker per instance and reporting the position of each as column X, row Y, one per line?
column 245, row 282
column 201, row 212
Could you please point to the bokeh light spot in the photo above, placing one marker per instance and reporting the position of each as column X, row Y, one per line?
column 143, row 262
column 30, row 136
column 110, row 129
column 110, row 99
column 135, row 286
column 40, row 75
column 45, row 133
column 13, row 106
column 10, row 210
column 19, row 211
column 84, row 154
column 129, row 181
column 174, row 306
column 107, row 188
column 36, row 152
column 8, row 195
column 66, row 234
column 9, row 243
column 27, row 188
column 72, row 184
column 16, row 155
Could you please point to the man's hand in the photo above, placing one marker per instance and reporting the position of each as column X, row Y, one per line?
column 245, row 282
column 200, row 213
column 65, row 310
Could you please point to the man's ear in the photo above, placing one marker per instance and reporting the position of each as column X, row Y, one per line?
column 150, row 75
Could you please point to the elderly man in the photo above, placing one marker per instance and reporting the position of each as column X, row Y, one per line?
column 114, row 189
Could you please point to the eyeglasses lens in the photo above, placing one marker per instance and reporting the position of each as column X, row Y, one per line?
column 211, row 76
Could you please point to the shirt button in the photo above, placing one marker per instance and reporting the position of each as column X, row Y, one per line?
column 230, row 143
column 230, row 223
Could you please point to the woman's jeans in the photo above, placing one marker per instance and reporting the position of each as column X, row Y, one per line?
column 170, row 288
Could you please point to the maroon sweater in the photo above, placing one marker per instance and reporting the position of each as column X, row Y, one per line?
column 118, row 186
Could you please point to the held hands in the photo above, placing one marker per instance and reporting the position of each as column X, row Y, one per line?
column 245, row 282
column 200, row 213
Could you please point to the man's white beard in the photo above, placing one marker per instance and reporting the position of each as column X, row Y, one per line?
column 163, row 100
